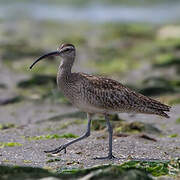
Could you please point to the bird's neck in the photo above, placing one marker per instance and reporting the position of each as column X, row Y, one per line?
column 64, row 71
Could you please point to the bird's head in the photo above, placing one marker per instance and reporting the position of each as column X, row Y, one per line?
column 66, row 51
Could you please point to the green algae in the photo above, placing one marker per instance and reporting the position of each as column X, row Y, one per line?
column 27, row 161
column 3, row 86
column 133, row 169
column 156, row 168
column 173, row 135
column 113, row 60
column 51, row 136
column 136, row 127
column 44, row 86
column 123, row 31
column 37, row 80
column 170, row 44
column 166, row 55
column 125, row 127
column 9, row 144
column 98, row 125
column 159, row 86
column 142, row 167
column 178, row 120
column 75, row 39
column 105, row 172
column 6, row 160
column 52, row 160
column 18, row 50
column 113, row 66
column 6, row 126
column 11, row 100
column 133, row 44
column 167, row 61
column 174, row 101
column 21, row 173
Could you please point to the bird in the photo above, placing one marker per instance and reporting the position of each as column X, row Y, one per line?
column 98, row 95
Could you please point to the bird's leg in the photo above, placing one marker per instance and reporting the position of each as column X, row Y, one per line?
column 64, row 146
column 110, row 130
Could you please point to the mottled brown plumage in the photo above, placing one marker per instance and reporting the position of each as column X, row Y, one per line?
column 93, row 94
column 110, row 96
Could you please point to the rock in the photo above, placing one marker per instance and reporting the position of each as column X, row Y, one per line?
column 10, row 100
column 169, row 32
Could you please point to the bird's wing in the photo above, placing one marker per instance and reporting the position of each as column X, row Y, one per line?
column 115, row 95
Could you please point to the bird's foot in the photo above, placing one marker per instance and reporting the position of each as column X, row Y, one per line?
column 106, row 157
column 57, row 150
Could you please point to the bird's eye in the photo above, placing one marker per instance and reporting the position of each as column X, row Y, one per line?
column 66, row 50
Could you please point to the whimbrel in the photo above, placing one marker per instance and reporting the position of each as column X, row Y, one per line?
column 93, row 94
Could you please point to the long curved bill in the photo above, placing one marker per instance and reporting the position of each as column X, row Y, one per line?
column 45, row 56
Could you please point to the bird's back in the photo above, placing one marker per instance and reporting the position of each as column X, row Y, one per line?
column 102, row 95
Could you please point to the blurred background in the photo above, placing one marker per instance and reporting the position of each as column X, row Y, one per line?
column 135, row 42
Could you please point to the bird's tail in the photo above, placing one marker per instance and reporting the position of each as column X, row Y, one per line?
column 162, row 113
column 158, row 108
